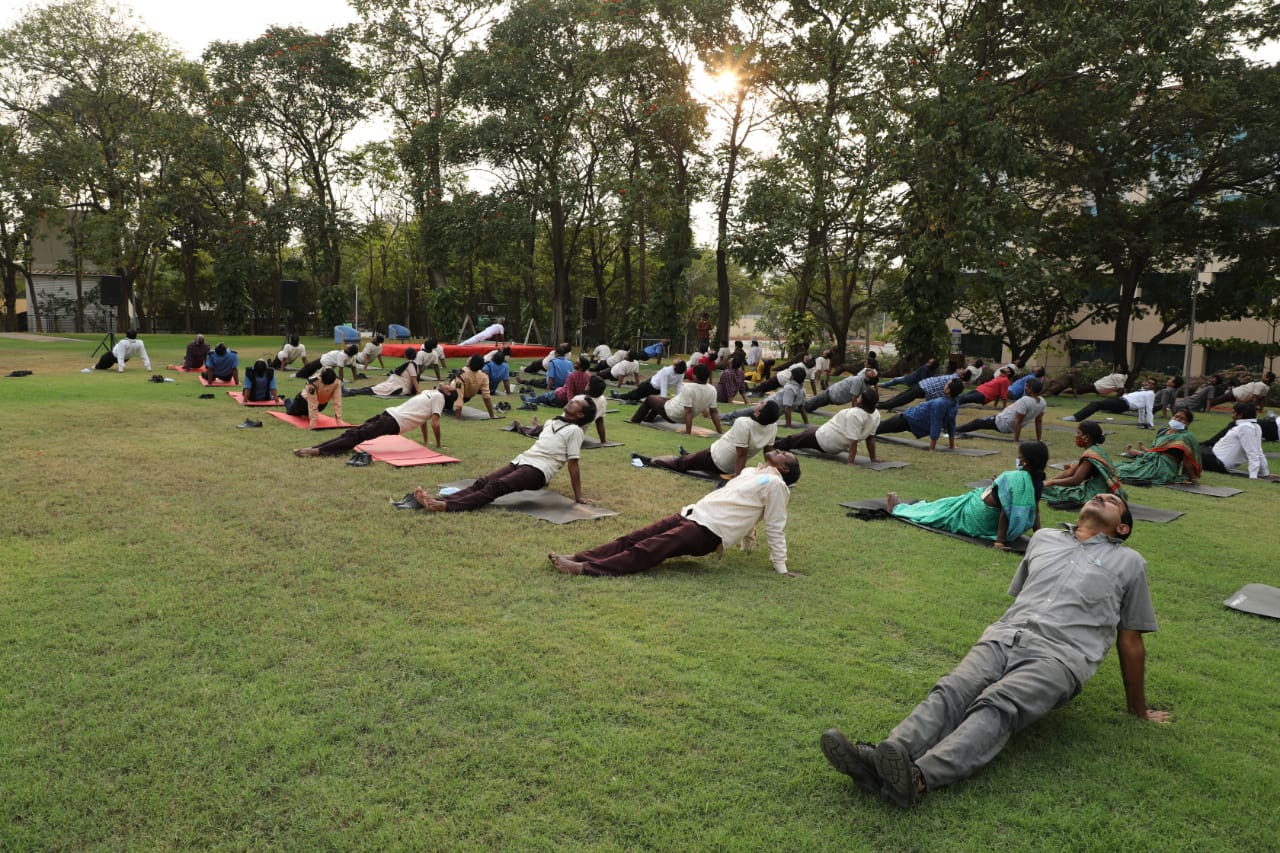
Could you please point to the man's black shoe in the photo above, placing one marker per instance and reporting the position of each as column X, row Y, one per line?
column 898, row 774
column 855, row 760
column 249, row 424
column 407, row 502
column 680, row 449
column 360, row 459
column 642, row 459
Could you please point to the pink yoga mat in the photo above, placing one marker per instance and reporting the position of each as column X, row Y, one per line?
column 238, row 396
column 402, row 452
column 300, row 421
column 181, row 369
column 219, row 382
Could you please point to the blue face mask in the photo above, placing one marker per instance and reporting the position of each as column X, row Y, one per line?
column 1177, row 425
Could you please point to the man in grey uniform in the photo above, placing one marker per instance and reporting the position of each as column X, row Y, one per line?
column 847, row 389
column 1077, row 590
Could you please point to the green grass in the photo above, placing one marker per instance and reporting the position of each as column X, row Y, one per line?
column 208, row 643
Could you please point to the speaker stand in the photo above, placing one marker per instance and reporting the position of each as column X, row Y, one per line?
column 108, row 342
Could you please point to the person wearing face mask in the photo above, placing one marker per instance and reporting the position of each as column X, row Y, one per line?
column 1002, row 511
column 1092, row 474
column 1174, row 457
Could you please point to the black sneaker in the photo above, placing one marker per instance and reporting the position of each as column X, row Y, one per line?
column 360, row 459
column 407, row 502
column 855, row 760
column 249, row 424
column 680, row 449
column 898, row 774
column 206, row 396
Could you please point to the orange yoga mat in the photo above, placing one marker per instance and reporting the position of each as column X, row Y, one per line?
column 402, row 452
column 218, row 382
column 301, row 421
column 238, row 396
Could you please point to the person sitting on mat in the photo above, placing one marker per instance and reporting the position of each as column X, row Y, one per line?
column 365, row 358
column 733, row 379
column 1241, row 445
column 558, row 368
column 1250, row 392
column 722, row 519
column 845, row 391
column 1001, row 512
column 790, row 398
column 320, row 390
column 934, row 418
column 667, row 381
column 842, row 432
column 498, row 371
column 336, row 359
column 1200, row 399
column 1012, row 418
column 728, row 455
column 260, row 383
column 125, row 349
column 197, row 352
column 402, row 381
column 1141, row 401
column 222, row 365
column 558, row 445
column 431, row 355
column 1077, row 591
column 294, row 350
column 470, row 382
column 995, row 390
column 574, row 384
column 1092, row 474
column 419, row 410
column 696, row 398
column 1174, row 456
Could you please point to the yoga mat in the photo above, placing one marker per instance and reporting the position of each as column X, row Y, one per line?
column 1017, row 546
column 402, row 452
column 181, row 369
column 470, row 414
column 843, row 458
column 544, row 504
column 1140, row 512
column 1201, row 489
column 942, row 448
column 216, row 382
column 238, row 396
column 667, row 426
column 1256, row 598
column 708, row 476
column 301, row 421
column 589, row 443
column 991, row 436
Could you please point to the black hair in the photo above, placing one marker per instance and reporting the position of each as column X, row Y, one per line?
column 1178, row 382
column 977, row 363
column 1093, row 431
column 220, row 349
column 377, row 339
column 737, row 344
column 588, row 410
column 497, row 358
column 870, row 397
column 871, row 376
column 1034, row 385
column 1039, row 372
column 410, row 353
column 738, row 359
column 476, row 362
column 293, row 340
column 1268, row 377
column 1035, row 456
column 563, row 349
column 595, row 386
column 955, row 387
column 1245, row 410
column 792, row 474
column 430, row 344
column 701, row 373
column 328, row 376
column 769, row 413
column 798, row 374
column 1187, row 411
column 583, row 363
column 1126, row 518
column 132, row 334
column 679, row 366
column 261, row 368
column 352, row 350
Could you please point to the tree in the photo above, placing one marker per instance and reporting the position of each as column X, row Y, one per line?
column 24, row 204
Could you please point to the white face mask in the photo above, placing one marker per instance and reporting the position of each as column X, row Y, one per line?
column 1176, row 425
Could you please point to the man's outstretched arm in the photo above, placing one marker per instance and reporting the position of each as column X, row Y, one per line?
column 1133, row 662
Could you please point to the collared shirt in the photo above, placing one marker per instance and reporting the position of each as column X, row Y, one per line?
column 612, row 360
column 847, row 389
column 935, row 386
column 222, row 365
column 1019, row 386
column 472, row 382
column 316, row 393
column 1143, row 403
column 745, row 432
column 418, row 409
column 196, row 354
column 335, row 358
column 574, row 384
column 398, row 383
column 1029, row 407
column 733, row 511
column 127, row 348
column 559, row 442
column 667, row 381
column 498, row 373
column 849, row 425
column 753, row 355
column 997, row 388
column 429, row 358
column 1251, row 389
column 655, row 349
column 601, row 352
column 1113, row 382
column 790, row 396
column 623, row 369
column 932, row 418
column 731, row 383
column 289, row 352
column 369, row 353
column 1075, row 595
column 695, row 395
column 1243, row 442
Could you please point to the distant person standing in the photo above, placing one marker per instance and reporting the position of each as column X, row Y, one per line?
column 702, row 331
column 123, row 351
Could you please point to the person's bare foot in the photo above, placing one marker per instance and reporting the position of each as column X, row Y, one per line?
column 429, row 503
column 533, row 424
column 891, row 500
column 306, row 452
column 564, row 565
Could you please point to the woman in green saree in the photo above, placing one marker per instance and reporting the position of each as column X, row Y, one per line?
column 1005, row 510
column 1174, row 457
column 1093, row 473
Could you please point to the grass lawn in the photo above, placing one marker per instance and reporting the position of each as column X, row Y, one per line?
column 206, row 642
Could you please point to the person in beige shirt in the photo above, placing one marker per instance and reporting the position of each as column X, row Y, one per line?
column 470, row 382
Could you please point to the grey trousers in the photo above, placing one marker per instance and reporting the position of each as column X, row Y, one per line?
column 969, row 714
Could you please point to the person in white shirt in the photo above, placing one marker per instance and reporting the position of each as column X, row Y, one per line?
column 492, row 332
column 668, row 380
column 371, row 350
column 627, row 369
column 754, row 354
column 338, row 359
column 430, row 355
column 695, row 398
column 1249, row 392
column 1241, row 444
column 417, row 411
column 842, row 432
column 1142, row 401
column 294, row 350
column 1114, row 383
column 600, row 353
column 730, row 452
column 821, row 373
column 722, row 519
column 559, row 444
column 1011, row 419
column 124, row 350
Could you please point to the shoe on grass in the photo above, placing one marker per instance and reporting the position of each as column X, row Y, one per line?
column 1071, row 418
column 855, row 760
column 249, row 424
column 644, row 461
column 899, row 776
